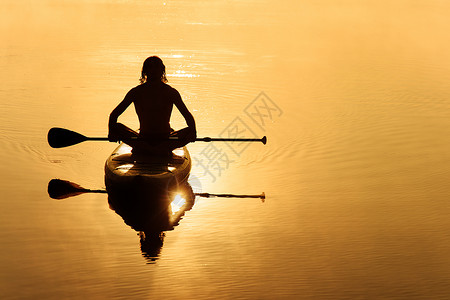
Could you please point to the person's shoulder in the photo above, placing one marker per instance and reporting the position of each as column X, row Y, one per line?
column 170, row 90
column 167, row 87
column 135, row 89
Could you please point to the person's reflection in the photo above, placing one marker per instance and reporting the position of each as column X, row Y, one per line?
column 151, row 212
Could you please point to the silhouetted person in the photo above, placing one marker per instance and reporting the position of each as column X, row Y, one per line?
column 153, row 100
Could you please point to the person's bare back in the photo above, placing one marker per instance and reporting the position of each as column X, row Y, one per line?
column 153, row 103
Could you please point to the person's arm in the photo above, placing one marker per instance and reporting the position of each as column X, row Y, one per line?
column 187, row 116
column 115, row 115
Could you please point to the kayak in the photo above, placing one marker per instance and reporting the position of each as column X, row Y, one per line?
column 126, row 171
column 152, row 215
column 151, row 193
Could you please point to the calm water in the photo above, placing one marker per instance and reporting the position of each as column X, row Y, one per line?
column 356, row 170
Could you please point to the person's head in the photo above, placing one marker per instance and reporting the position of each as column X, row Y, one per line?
column 153, row 70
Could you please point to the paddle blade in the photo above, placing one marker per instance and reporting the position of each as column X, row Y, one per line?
column 60, row 137
column 61, row 189
column 264, row 140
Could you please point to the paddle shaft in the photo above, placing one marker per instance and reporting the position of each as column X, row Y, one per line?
column 203, row 195
column 60, row 189
column 97, row 139
column 208, row 139
column 207, row 195
column 204, row 139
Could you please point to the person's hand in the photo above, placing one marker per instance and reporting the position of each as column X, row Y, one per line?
column 112, row 134
column 187, row 134
column 112, row 137
column 191, row 135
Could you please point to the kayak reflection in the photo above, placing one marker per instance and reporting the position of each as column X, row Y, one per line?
column 151, row 212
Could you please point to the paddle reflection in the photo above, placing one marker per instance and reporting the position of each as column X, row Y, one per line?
column 151, row 212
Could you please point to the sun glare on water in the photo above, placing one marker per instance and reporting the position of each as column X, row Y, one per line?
column 181, row 73
column 177, row 203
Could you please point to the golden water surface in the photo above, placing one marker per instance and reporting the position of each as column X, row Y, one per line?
column 352, row 95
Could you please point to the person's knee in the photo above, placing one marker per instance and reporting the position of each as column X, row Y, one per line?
column 125, row 131
column 121, row 127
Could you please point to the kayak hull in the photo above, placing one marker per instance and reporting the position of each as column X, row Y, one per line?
column 125, row 171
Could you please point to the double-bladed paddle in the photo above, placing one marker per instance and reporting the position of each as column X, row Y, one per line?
column 60, row 137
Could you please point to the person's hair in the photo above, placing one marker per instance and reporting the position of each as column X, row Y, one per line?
column 153, row 69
